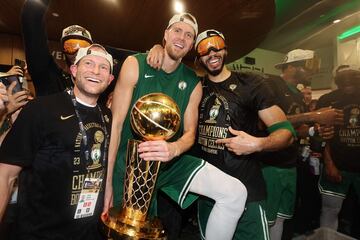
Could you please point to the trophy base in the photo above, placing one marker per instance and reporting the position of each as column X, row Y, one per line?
column 118, row 227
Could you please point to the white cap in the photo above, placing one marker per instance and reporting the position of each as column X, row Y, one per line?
column 77, row 32
column 295, row 56
column 186, row 18
column 206, row 34
column 82, row 52
column 345, row 67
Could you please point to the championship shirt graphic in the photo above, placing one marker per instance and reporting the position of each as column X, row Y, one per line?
column 95, row 154
column 349, row 134
column 92, row 168
column 213, row 123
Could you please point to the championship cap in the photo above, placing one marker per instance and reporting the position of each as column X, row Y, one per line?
column 295, row 56
column 186, row 18
column 82, row 52
column 76, row 32
column 347, row 74
column 345, row 67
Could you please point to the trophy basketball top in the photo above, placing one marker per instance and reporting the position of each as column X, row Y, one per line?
column 155, row 116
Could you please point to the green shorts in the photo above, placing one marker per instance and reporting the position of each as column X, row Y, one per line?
column 340, row 189
column 281, row 192
column 252, row 224
column 174, row 179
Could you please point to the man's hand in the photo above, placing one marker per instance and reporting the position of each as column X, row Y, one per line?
column 15, row 70
column 158, row 150
column 329, row 116
column 332, row 173
column 108, row 201
column 155, row 57
column 242, row 143
column 3, row 97
column 325, row 132
column 16, row 100
column 302, row 131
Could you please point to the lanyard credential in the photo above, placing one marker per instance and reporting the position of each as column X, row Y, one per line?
column 83, row 131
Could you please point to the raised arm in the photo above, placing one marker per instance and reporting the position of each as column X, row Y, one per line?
column 120, row 105
column 38, row 57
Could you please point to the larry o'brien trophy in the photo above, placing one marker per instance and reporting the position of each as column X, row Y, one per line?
column 155, row 116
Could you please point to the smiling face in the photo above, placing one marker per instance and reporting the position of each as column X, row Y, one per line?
column 179, row 39
column 92, row 76
column 214, row 62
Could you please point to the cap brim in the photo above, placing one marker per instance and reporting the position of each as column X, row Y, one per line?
column 279, row 65
column 76, row 37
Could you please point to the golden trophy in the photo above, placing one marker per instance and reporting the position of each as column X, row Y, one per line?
column 155, row 116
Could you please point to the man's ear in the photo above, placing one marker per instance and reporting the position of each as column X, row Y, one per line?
column 166, row 33
column 111, row 78
column 73, row 70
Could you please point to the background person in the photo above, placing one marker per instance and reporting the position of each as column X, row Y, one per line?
column 279, row 167
column 47, row 76
column 341, row 156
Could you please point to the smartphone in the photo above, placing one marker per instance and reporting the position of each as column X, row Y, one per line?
column 7, row 80
column 20, row 63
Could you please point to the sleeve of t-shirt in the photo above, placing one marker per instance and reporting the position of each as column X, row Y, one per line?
column 262, row 95
column 20, row 144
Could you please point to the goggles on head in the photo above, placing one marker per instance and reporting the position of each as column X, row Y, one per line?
column 311, row 65
column 215, row 43
column 72, row 45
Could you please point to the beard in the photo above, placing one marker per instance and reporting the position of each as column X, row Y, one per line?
column 70, row 59
column 302, row 77
column 173, row 55
column 213, row 72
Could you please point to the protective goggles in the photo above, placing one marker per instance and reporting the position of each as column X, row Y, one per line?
column 215, row 43
column 72, row 45
column 311, row 65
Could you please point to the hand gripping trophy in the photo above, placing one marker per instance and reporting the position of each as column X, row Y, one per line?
column 155, row 116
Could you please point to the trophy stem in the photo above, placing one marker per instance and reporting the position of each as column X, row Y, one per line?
column 131, row 221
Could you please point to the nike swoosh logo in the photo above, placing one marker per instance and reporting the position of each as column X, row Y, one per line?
column 66, row 117
column 148, row 76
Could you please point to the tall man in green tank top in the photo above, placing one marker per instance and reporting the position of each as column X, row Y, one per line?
column 181, row 176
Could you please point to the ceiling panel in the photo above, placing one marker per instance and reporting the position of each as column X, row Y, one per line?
column 138, row 24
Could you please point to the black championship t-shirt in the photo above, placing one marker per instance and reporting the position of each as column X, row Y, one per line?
column 46, row 142
column 345, row 146
column 234, row 102
column 290, row 100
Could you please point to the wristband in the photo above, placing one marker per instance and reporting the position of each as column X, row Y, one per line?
column 282, row 125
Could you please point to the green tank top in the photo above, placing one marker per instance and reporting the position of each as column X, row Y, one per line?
column 178, row 85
